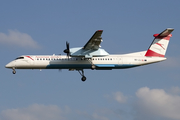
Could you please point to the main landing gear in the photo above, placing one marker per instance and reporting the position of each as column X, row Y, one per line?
column 81, row 72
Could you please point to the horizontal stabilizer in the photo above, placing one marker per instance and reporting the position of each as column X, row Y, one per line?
column 165, row 33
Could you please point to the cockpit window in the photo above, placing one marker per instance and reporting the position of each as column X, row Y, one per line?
column 19, row 58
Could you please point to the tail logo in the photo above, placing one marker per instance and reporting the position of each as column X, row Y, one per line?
column 161, row 45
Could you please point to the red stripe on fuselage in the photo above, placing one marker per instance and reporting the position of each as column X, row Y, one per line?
column 30, row 58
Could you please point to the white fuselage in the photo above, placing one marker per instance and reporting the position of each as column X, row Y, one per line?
column 78, row 63
column 91, row 56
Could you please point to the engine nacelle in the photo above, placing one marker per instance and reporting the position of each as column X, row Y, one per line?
column 80, row 52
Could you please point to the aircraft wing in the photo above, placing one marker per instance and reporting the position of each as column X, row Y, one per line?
column 94, row 42
column 91, row 48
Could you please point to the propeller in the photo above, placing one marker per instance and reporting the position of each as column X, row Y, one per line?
column 67, row 50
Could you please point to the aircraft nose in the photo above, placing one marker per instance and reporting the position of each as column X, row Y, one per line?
column 9, row 65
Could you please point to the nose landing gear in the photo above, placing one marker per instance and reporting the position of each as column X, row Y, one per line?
column 14, row 71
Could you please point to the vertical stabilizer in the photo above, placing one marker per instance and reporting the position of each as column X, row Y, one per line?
column 160, row 43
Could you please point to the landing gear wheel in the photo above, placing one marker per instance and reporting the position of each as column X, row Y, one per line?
column 83, row 78
column 93, row 67
column 81, row 72
column 14, row 72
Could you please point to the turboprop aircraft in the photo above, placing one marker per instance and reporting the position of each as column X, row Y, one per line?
column 91, row 56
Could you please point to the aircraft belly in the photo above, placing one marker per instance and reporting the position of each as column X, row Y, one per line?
column 88, row 66
column 68, row 66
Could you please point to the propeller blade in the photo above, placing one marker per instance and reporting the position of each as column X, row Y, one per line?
column 67, row 45
column 67, row 50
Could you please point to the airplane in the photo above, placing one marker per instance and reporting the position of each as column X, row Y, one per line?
column 91, row 56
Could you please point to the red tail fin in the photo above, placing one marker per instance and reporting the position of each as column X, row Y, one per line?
column 160, row 43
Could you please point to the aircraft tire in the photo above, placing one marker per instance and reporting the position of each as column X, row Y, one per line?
column 83, row 78
column 14, row 72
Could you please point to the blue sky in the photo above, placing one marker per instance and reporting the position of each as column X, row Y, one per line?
column 42, row 27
